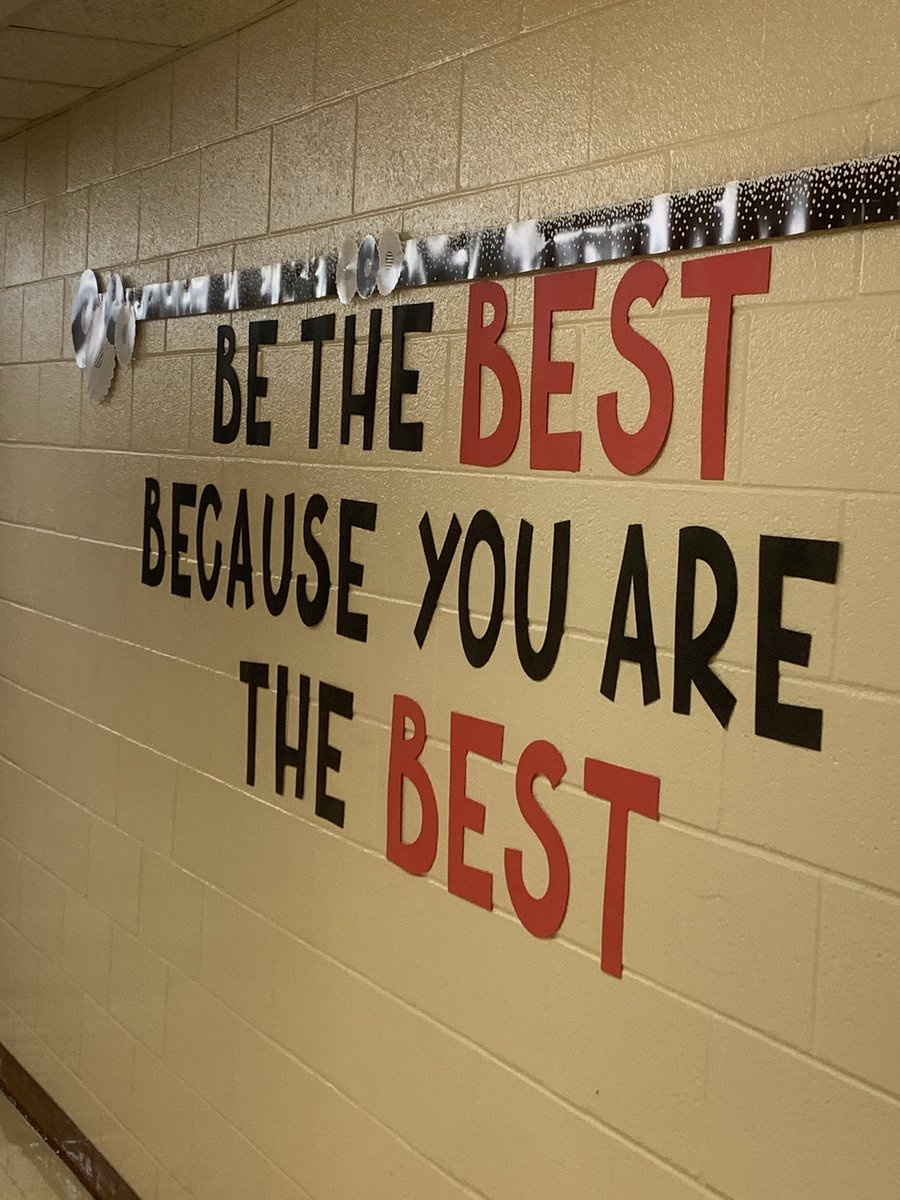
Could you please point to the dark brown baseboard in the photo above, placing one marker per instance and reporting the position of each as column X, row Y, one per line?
column 80, row 1155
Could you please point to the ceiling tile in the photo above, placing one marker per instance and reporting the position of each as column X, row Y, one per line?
column 143, row 20
column 25, row 100
column 62, row 58
column 54, row 53
column 10, row 10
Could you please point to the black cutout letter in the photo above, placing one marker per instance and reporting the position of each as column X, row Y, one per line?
column 361, row 404
column 312, row 609
column 226, row 431
column 800, row 558
column 438, row 567
column 407, row 318
column 262, row 333
column 484, row 528
column 641, row 648
column 256, row 676
column 209, row 498
column 277, row 599
column 316, row 330
column 240, row 562
column 152, row 573
column 184, row 495
column 537, row 664
column 331, row 700
column 287, row 755
column 355, row 514
column 694, row 653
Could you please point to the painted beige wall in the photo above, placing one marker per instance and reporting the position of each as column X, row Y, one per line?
column 236, row 999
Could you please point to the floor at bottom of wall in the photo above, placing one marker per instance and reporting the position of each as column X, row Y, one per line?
column 29, row 1170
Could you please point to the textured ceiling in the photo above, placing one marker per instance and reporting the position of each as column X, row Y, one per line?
column 54, row 52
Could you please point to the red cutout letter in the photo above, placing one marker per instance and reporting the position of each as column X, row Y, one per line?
column 632, row 453
column 541, row 915
column 627, row 791
column 554, row 293
column 416, row 857
column 469, row 735
column 483, row 350
column 721, row 277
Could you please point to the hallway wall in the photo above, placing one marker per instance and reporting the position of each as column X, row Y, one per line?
column 234, row 996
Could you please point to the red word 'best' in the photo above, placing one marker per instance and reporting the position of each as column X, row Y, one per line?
column 718, row 278
column 625, row 790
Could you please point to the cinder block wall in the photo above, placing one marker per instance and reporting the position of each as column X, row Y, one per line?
column 235, row 998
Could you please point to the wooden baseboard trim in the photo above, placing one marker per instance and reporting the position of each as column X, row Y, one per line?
column 95, row 1173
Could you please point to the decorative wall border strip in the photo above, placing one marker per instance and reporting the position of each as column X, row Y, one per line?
column 839, row 196
column 60, row 1132
column 861, row 192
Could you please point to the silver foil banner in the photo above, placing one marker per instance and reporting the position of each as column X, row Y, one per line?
column 859, row 192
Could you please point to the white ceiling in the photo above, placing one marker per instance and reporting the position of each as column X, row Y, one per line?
column 54, row 52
